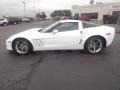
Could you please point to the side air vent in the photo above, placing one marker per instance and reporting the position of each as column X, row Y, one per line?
column 38, row 42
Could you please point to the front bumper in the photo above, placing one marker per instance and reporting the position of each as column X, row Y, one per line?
column 9, row 45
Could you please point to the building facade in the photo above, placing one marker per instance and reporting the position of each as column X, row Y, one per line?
column 97, row 11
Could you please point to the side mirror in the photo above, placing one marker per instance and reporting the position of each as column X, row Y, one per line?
column 55, row 31
column 40, row 29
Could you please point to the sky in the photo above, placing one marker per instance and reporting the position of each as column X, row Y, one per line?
column 16, row 7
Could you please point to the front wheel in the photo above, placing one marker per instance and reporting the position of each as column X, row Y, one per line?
column 4, row 24
column 22, row 46
column 94, row 45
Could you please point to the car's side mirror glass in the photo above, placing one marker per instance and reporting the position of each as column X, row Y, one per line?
column 55, row 31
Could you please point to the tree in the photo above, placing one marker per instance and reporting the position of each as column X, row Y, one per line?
column 61, row 13
column 67, row 12
column 92, row 2
column 41, row 16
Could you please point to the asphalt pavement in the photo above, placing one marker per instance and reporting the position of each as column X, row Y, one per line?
column 58, row 70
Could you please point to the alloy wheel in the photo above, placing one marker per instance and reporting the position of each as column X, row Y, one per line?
column 21, row 47
column 95, row 46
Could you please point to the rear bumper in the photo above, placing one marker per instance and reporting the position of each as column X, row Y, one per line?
column 110, row 38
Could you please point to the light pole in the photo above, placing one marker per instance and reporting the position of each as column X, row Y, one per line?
column 34, row 11
column 24, row 7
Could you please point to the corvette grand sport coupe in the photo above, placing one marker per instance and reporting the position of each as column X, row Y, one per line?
column 63, row 35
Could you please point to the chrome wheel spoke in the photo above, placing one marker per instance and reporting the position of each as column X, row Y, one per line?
column 91, row 45
column 25, row 48
column 22, row 50
column 94, row 49
column 92, row 42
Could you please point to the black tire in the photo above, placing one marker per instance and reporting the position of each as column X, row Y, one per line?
column 4, row 24
column 90, row 46
column 26, row 42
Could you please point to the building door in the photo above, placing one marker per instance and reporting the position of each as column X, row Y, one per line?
column 116, row 13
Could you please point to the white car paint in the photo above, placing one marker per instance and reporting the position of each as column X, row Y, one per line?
column 99, row 31
column 74, row 39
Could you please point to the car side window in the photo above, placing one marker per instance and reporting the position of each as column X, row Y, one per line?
column 67, row 26
column 88, row 25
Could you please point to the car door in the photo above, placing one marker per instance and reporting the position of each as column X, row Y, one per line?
column 63, row 36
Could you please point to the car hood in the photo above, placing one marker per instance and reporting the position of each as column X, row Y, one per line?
column 29, row 34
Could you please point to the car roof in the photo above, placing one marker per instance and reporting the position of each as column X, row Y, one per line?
column 63, row 21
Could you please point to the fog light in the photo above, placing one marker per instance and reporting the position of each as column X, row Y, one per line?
column 9, row 42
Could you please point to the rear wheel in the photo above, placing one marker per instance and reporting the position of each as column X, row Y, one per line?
column 94, row 45
column 22, row 46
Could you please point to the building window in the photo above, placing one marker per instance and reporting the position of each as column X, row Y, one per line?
column 67, row 26
column 90, row 15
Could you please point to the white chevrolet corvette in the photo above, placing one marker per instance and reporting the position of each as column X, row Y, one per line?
column 63, row 35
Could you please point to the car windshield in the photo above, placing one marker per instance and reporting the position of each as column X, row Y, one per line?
column 50, row 27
